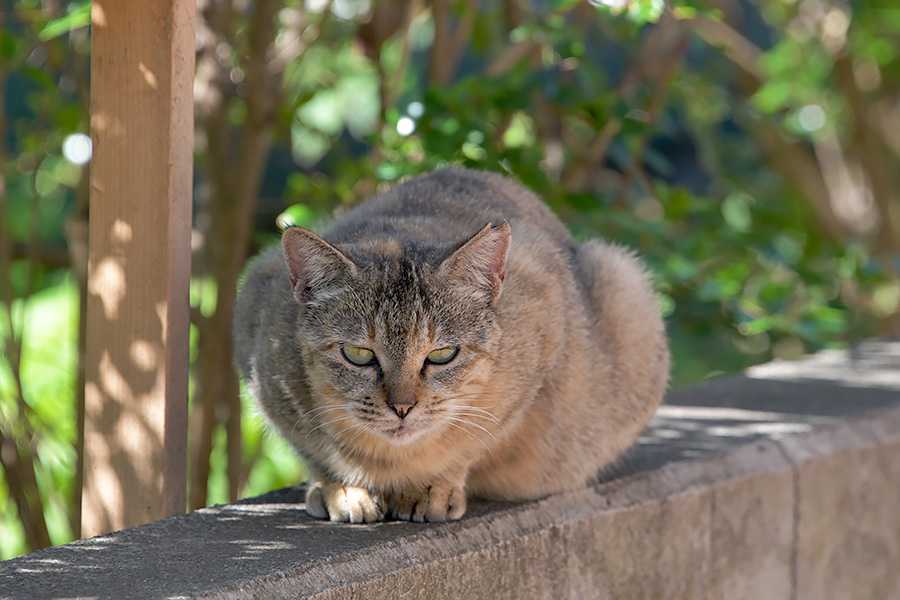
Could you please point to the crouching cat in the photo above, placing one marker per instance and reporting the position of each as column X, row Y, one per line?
column 448, row 339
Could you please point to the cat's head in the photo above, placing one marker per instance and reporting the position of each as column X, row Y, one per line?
column 398, row 342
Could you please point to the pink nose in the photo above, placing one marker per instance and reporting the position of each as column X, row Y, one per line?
column 402, row 409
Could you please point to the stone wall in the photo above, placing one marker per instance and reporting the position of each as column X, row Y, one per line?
column 783, row 482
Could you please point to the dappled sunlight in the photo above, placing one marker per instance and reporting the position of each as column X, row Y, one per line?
column 107, row 282
column 144, row 355
column 879, row 369
column 122, row 231
column 149, row 76
column 137, row 351
column 724, row 422
column 767, row 402
column 716, row 492
column 748, row 151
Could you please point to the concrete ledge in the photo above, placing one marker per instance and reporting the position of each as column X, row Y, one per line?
column 783, row 482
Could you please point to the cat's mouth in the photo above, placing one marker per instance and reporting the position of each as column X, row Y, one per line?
column 403, row 433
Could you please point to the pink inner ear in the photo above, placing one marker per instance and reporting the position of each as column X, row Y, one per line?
column 297, row 273
column 296, row 249
column 311, row 261
column 490, row 255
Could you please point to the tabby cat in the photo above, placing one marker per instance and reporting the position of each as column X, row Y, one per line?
column 448, row 339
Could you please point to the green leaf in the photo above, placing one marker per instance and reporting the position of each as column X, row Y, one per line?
column 79, row 15
column 886, row 298
column 296, row 214
column 684, row 12
column 8, row 44
column 40, row 77
column 736, row 212
column 773, row 96
column 646, row 11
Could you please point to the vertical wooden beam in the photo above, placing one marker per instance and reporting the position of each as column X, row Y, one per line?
column 136, row 392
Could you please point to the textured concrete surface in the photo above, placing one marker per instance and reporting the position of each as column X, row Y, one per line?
column 779, row 483
column 848, row 510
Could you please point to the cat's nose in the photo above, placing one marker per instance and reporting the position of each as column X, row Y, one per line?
column 402, row 409
column 401, row 397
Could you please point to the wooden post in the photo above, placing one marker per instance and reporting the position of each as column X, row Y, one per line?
column 136, row 392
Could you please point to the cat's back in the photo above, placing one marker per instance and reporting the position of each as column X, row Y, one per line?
column 264, row 304
column 449, row 206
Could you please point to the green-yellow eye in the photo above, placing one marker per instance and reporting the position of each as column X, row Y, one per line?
column 360, row 357
column 442, row 356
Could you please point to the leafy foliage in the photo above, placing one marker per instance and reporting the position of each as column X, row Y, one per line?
column 748, row 152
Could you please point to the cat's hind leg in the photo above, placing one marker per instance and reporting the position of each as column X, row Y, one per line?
column 629, row 328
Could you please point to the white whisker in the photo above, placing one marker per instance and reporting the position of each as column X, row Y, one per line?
column 470, row 411
column 458, row 420
column 319, row 410
column 346, row 429
column 466, row 431
column 492, row 423
column 326, row 423
column 472, row 397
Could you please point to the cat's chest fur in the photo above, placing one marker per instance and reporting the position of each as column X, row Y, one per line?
column 446, row 338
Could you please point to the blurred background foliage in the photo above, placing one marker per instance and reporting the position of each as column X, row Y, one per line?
column 749, row 149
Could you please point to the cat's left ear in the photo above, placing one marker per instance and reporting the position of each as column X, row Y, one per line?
column 314, row 265
column 480, row 264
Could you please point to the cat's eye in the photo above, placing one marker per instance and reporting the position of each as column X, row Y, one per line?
column 442, row 356
column 360, row 357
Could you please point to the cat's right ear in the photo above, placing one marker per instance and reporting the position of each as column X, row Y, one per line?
column 314, row 265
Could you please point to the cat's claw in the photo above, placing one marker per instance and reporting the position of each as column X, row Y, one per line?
column 345, row 503
column 435, row 503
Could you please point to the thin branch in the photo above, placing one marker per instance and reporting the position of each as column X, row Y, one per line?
column 54, row 256
column 448, row 47
column 235, row 181
column 18, row 470
column 657, row 62
column 792, row 160
column 875, row 158
column 675, row 52
column 512, row 56
column 460, row 39
column 741, row 51
column 295, row 48
column 394, row 87
column 16, row 453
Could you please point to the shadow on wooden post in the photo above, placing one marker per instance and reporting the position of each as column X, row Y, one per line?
column 136, row 390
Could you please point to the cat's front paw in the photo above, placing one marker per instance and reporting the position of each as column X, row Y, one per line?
column 439, row 502
column 338, row 502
